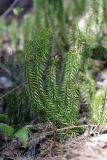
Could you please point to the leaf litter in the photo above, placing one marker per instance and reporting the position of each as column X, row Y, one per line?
column 92, row 145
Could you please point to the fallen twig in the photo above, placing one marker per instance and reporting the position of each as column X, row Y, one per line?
column 61, row 129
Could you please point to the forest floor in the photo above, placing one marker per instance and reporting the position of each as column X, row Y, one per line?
column 92, row 145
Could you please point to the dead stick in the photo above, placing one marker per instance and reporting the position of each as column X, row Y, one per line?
column 63, row 129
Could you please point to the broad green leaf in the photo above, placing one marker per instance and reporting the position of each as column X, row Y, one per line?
column 6, row 130
column 3, row 117
column 22, row 135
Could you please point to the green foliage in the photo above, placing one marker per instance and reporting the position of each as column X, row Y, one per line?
column 99, row 106
column 3, row 117
column 22, row 135
column 76, row 8
column 17, row 11
column 6, row 130
column 46, row 100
